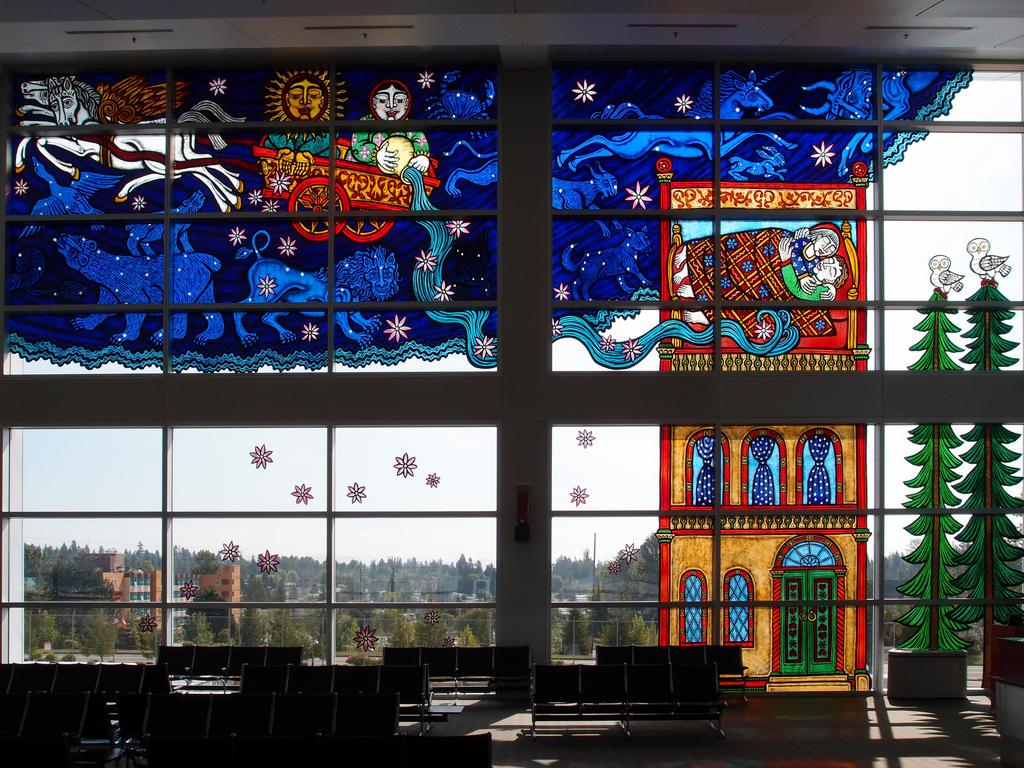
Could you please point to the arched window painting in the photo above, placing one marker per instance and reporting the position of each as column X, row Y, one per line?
column 739, row 617
column 764, row 477
column 693, row 627
column 819, row 470
column 809, row 554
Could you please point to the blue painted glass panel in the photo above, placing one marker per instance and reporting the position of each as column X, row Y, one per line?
column 77, row 263
column 773, row 92
column 809, row 554
column 693, row 623
column 596, row 259
column 382, row 340
column 921, row 94
column 819, row 475
column 616, row 92
column 132, row 340
column 739, row 615
column 616, row 169
column 83, row 175
column 245, row 342
column 763, row 471
column 804, row 157
column 62, row 98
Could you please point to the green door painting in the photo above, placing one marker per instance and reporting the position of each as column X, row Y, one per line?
column 809, row 629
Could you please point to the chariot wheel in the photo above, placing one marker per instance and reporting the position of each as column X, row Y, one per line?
column 367, row 230
column 312, row 195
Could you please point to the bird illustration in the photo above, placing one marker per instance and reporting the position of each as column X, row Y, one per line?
column 942, row 278
column 986, row 264
column 73, row 199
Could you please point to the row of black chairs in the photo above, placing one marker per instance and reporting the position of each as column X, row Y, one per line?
column 60, row 726
column 53, row 677
column 410, row 681
column 626, row 692
column 327, row 751
column 222, row 660
column 487, row 667
column 732, row 672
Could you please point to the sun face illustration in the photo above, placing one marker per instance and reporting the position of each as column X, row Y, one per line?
column 302, row 95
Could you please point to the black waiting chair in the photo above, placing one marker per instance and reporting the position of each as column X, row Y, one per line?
column 303, row 679
column 476, row 667
column 696, row 691
column 303, row 715
column 278, row 750
column 120, row 678
column 512, row 667
column 648, row 692
column 191, row 751
column 554, row 693
column 411, row 685
column 367, row 715
column 264, row 679
column 211, row 661
column 351, row 680
column 650, row 654
column 284, row 654
column 236, row 715
column 178, row 658
column 132, row 709
column 732, row 672
column 614, row 654
column 177, row 714
column 378, row 751
column 36, row 751
column 408, row 657
column 603, row 690
column 451, row 751
column 26, row 678
column 245, row 654
column 687, row 655
column 155, row 679
column 442, row 662
column 76, row 678
column 12, row 712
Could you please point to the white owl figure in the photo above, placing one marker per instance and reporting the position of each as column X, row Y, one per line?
column 942, row 278
column 986, row 264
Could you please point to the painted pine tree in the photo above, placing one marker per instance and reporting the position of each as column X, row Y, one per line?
column 934, row 625
column 991, row 560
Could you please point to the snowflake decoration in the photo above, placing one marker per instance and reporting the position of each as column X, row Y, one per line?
column 638, row 196
column 449, row 642
column 823, row 155
column 267, row 285
column 631, row 350
column 683, row 103
column 483, row 347
column 357, row 493
column 256, row 198
column 288, row 247
column 404, row 465
column 444, row 292
column 578, row 496
column 608, row 344
column 20, row 187
column 585, row 438
column 458, row 228
column 261, row 456
column 432, row 617
column 433, row 480
column 584, row 91
column 229, row 552
column 279, row 182
column 147, row 623
column 188, row 590
column 270, row 206
column 237, row 236
column 425, row 79
column 426, row 261
column 764, row 328
column 556, row 327
column 615, row 567
column 267, row 562
column 310, row 332
column 366, row 638
column 218, row 86
column 302, row 494
column 629, row 554
column 562, row 292
column 396, row 329
column 138, row 203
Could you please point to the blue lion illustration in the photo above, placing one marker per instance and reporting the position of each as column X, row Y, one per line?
column 370, row 275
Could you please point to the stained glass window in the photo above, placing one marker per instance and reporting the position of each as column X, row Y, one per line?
column 739, row 619
column 694, row 592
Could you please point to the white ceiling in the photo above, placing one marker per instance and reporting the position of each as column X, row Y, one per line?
column 943, row 28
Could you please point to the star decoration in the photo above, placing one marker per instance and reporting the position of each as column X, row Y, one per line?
column 396, row 329
column 433, row 480
column 823, row 155
column 585, row 438
column 279, row 182
column 608, row 344
column 310, row 332
column 584, row 91
column 20, row 187
column 237, row 236
column 638, row 196
column 425, row 79
column 288, row 247
column 631, row 349
column 256, row 198
column 458, row 228
column 629, row 554
column 267, row 286
column 147, row 623
column 426, row 261
column 302, row 494
column 615, row 567
column 138, row 203
column 404, row 465
column 188, row 590
column 267, row 562
column 357, row 493
column 444, row 292
column 683, row 103
column 261, row 456
column 562, row 292
column 449, row 642
column 218, row 86
column 578, row 496
column 229, row 552
column 432, row 617
column 556, row 327
column 270, row 206
column 366, row 638
column 483, row 347
column 764, row 328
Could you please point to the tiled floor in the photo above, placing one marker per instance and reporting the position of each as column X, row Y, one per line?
column 804, row 732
